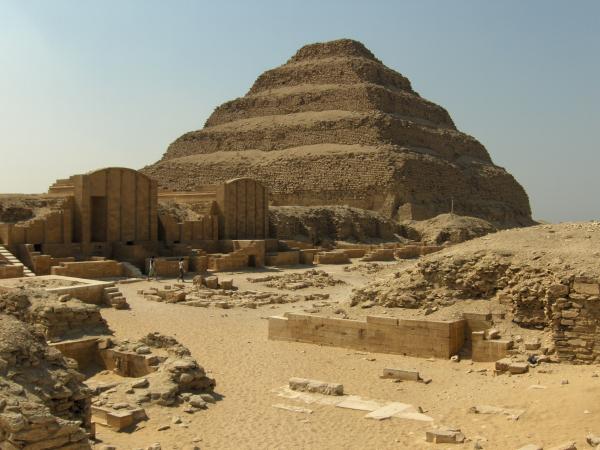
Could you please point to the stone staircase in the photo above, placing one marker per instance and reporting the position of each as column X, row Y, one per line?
column 12, row 259
column 114, row 297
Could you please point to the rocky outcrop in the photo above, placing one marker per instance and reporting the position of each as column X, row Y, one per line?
column 335, row 126
column 320, row 224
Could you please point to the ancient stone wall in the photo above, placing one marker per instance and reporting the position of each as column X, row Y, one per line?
column 420, row 338
column 89, row 269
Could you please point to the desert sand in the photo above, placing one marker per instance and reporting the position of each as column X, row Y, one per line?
column 232, row 346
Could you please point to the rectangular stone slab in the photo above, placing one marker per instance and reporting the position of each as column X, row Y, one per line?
column 401, row 374
column 359, row 404
column 389, row 410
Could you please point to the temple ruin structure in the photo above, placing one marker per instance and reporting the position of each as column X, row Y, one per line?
column 119, row 214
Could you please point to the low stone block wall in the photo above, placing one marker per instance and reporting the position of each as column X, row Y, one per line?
column 307, row 256
column 380, row 254
column 335, row 257
column 227, row 263
column 414, row 251
column 198, row 264
column 89, row 269
column 11, row 271
column 422, row 338
column 355, row 252
column 484, row 350
column 289, row 258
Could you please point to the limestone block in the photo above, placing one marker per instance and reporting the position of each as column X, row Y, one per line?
column 444, row 436
column 586, row 288
column 518, row 368
column 401, row 374
column 212, row 282
column 320, row 387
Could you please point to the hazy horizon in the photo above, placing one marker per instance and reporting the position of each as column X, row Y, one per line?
column 86, row 84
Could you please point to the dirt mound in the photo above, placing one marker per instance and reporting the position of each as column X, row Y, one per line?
column 335, row 126
column 318, row 224
column 523, row 268
column 448, row 228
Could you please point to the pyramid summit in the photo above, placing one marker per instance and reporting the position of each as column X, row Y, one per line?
column 335, row 126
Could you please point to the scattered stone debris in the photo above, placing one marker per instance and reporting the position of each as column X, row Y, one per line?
column 321, row 387
column 513, row 414
column 404, row 375
column 368, row 268
column 298, row 280
column 513, row 367
column 445, row 436
column 224, row 299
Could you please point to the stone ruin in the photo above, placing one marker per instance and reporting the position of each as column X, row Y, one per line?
column 335, row 126
column 50, row 345
column 222, row 294
column 43, row 401
column 540, row 289
column 298, row 280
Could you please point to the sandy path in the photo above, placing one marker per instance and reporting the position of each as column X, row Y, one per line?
column 232, row 345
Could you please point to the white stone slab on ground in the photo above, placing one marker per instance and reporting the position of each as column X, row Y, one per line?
column 389, row 410
column 292, row 408
column 414, row 416
column 359, row 404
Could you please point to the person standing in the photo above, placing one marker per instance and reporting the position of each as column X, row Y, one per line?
column 151, row 269
column 181, row 270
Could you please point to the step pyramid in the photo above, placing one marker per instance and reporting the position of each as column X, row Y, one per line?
column 335, row 126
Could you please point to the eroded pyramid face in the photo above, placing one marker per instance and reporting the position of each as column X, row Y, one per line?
column 334, row 126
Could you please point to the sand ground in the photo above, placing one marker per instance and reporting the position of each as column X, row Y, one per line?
column 233, row 347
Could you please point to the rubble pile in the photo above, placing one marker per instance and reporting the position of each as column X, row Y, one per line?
column 201, row 296
column 176, row 378
column 298, row 280
column 367, row 268
column 52, row 315
column 43, row 402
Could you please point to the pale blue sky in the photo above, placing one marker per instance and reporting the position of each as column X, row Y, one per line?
column 87, row 84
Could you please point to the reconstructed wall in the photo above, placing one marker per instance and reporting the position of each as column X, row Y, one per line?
column 421, row 338
column 243, row 205
column 335, row 257
column 289, row 258
column 89, row 269
column 115, row 204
